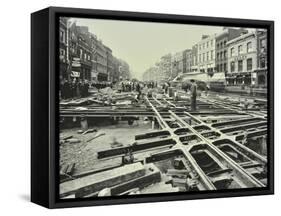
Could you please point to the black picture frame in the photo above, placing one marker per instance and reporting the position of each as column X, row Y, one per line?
column 45, row 113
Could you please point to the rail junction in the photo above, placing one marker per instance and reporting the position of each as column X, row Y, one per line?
column 221, row 145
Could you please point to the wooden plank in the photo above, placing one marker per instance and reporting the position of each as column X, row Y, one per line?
column 152, row 176
column 90, row 184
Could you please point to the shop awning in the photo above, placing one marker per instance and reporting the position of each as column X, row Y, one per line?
column 204, row 77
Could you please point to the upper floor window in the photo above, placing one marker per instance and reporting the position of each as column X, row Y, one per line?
column 262, row 62
column 224, row 54
column 263, row 45
column 232, row 52
column 62, row 36
column 232, row 66
column 240, row 49
column 249, row 46
column 249, row 64
column 240, row 65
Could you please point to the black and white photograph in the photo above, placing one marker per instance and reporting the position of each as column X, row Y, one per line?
column 160, row 108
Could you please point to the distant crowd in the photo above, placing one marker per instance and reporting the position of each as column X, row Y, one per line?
column 77, row 88
column 128, row 85
column 74, row 88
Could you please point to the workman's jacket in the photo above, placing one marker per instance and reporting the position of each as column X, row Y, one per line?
column 193, row 90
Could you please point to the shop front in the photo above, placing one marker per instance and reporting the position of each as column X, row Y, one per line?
column 261, row 78
column 241, row 79
column 102, row 77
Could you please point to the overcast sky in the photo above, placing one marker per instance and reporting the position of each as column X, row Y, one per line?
column 141, row 44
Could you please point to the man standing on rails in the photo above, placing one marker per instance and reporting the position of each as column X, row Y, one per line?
column 193, row 95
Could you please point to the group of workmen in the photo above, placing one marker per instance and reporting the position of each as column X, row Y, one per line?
column 77, row 88
column 192, row 87
column 128, row 86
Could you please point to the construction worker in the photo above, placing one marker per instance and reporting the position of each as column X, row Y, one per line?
column 193, row 95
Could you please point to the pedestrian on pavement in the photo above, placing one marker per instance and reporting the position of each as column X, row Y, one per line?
column 78, row 88
column 66, row 89
column 73, row 88
column 85, row 88
column 82, row 90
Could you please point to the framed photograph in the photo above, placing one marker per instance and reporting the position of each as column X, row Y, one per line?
column 134, row 107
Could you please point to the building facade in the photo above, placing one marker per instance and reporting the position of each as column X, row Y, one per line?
column 101, row 62
column 194, row 54
column 187, row 61
column 262, row 58
column 109, row 63
column 115, row 76
column 84, row 53
column 177, row 64
column 221, row 47
column 63, row 47
column 83, row 56
column 94, row 42
column 242, row 60
column 165, row 67
column 206, row 54
column 124, row 70
column 80, row 52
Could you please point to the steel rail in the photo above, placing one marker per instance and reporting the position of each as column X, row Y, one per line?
column 227, row 158
column 206, row 181
column 252, row 181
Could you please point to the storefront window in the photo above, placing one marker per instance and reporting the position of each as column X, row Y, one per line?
column 261, row 80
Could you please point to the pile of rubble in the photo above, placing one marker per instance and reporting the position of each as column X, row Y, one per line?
column 103, row 97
